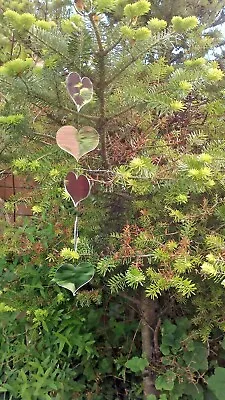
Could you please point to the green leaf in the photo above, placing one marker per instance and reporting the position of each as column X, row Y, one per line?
column 216, row 383
column 151, row 397
column 209, row 395
column 197, row 359
column 137, row 364
column 62, row 340
column 167, row 360
column 166, row 381
column 191, row 391
column 73, row 278
column 168, row 337
column 223, row 343
column 195, row 391
column 105, row 366
column 168, row 328
column 165, row 350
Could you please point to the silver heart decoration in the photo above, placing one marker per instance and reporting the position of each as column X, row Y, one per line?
column 80, row 90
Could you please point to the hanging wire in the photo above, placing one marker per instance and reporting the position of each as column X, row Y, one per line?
column 80, row 67
column 76, row 234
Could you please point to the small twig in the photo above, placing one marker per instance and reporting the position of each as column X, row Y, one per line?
column 125, row 110
column 12, row 46
column 4, row 97
column 91, row 117
column 42, row 141
column 45, row 155
column 134, row 337
column 112, row 47
column 99, row 171
column 124, row 195
column 3, row 148
column 156, row 339
column 138, row 256
column 36, row 116
column 44, row 135
column 131, row 299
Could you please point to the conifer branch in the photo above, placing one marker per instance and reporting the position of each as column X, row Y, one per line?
column 97, row 33
column 90, row 117
column 136, row 58
column 112, row 47
column 124, row 111
column 46, row 44
column 220, row 19
column 118, row 73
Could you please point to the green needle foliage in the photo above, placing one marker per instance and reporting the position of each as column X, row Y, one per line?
column 153, row 227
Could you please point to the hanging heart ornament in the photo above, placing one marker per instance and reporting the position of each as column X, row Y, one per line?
column 77, row 143
column 80, row 90
column 73, row 278
column 77, row 187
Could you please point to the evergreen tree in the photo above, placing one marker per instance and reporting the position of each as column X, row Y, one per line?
column 208, row 12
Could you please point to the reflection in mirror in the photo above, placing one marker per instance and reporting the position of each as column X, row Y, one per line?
column 80, row 90
column 77, row 143
column 77, row 187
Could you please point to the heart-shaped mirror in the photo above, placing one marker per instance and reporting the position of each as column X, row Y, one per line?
column 77, row 187
column 80, row 90
column 73, row 277
column 77, row 143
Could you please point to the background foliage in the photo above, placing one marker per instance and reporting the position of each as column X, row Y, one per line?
column 154, row 224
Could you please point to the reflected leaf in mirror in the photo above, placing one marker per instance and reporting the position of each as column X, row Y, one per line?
column 73, row 277
column 77, row 187
column 77, row 143
column 80, row 90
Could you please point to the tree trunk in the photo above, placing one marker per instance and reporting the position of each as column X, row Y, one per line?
column 148, row 323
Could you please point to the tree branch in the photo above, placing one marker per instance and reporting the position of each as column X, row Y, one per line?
column 156, row 339
column 131, row 299
column 135, row 58
column 220, row 19
column 125, row 110
column 117, row 74
column 112, row 47
column 90, row 117
column 97, row 33
column 148, row 319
